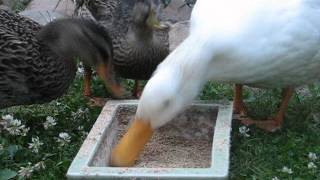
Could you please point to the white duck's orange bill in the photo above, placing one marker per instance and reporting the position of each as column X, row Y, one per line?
column 131, row 144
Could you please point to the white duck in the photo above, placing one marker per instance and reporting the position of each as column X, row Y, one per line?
column 263, row 43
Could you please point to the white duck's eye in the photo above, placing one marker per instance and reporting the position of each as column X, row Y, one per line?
column 166, row 104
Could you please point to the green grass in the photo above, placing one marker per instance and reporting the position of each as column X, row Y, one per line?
column 263, row 155
column 20, row 5
column 57, row 159
column 260, row 156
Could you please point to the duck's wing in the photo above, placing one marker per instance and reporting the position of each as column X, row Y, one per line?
column 29, row 72
column 14, row 68
column 21, row 25
column 16, row 40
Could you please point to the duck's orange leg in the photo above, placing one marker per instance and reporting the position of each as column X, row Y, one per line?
column 273, row 124
column 87, row 81
column 238, row 105
column 137, row 89
column 93, row 101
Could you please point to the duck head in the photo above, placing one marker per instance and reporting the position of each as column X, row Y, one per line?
column 145, row 14
column 86, row 40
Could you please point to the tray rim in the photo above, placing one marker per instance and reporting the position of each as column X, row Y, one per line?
column 80, row 169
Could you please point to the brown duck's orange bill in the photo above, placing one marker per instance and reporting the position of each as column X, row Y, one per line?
column 131, row 144
column 104, row 73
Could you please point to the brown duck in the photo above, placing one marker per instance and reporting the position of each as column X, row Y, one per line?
column 140, row 43
column 38, row 64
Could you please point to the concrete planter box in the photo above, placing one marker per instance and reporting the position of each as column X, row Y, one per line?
column 92, row 159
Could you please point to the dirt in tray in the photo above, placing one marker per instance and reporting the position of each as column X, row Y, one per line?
column 185, row 142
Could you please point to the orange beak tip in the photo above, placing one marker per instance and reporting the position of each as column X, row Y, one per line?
column 132, row 143
column 118, row 159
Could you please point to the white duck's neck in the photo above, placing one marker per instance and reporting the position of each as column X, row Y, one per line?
column 185, row 72
column 175, row 83
column 191, row 60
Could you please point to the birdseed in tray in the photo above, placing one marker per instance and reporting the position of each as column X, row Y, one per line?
column 185, row 142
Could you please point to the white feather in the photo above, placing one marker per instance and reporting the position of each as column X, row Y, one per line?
column 270, row 43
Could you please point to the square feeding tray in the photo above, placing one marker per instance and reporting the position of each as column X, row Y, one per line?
column 194, row 145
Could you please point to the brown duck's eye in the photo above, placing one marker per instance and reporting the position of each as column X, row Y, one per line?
column 165, row 2
column 156, row 2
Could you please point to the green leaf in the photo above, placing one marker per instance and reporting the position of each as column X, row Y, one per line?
column 6, row 174
column 12, row 149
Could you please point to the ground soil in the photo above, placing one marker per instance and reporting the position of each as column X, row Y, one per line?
column 185, row 142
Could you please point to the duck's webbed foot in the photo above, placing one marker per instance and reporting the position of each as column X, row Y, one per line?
column 93, row 101
column 270, row 125
column 97, row 101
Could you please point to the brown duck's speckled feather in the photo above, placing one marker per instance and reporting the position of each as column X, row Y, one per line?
column 134, row 57
column 29, row 72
